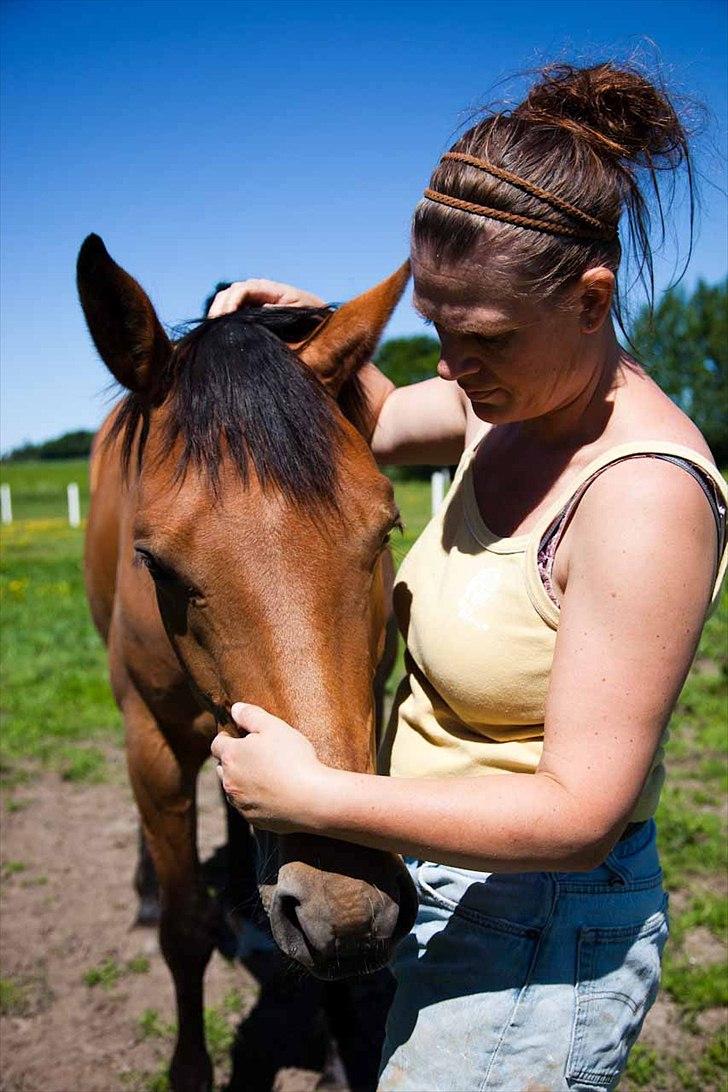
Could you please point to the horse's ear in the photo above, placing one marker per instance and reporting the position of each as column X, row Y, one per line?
column 121, row 319
column 346, row 340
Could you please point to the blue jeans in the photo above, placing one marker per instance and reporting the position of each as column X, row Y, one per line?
column 537, row 980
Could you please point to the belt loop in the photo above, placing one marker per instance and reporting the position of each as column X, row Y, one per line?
column 619, row 874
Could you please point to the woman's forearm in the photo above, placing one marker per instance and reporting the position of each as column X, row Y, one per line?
column 495, row 823
column 500, row 822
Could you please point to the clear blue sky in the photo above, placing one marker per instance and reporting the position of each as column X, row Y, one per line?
column 216, row 140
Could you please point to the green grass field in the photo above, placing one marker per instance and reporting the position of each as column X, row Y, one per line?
column 57, row 712
column 38, row 489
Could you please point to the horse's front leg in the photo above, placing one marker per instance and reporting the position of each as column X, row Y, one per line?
column 146, row 885
column 163, row 779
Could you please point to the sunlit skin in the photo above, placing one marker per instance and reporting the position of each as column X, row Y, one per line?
column 634, row 572
column 518, row 360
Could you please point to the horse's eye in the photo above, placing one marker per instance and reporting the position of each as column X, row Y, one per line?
column 165, row 577
column 156, row 568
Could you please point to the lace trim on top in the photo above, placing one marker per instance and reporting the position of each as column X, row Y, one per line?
column 551, row 539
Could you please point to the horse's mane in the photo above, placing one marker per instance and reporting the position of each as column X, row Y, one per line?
column 234, row 379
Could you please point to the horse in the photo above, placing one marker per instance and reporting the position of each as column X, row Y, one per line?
column 235, row 550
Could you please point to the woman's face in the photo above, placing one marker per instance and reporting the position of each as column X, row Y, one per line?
column 515, row 360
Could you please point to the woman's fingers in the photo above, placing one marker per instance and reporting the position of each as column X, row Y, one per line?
column 252, row 293
column 259, row 292
column 220, row 745
column 252, row 718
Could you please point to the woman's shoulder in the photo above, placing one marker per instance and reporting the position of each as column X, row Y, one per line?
column 649, row 422
column 645, row 415
column 642, row 501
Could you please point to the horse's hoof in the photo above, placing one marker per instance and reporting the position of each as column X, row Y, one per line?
column 148, row 913
column 191, row 1078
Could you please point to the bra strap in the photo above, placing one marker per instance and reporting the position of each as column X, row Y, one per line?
column 551, row 538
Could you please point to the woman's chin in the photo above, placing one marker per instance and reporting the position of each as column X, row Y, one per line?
column 496, row 409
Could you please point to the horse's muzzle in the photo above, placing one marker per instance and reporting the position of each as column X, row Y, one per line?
column 338, row 909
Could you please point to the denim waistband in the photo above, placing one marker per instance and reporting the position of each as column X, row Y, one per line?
column 634, row 840
column 633, row 863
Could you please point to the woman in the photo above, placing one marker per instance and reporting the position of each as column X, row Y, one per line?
column 551, row 610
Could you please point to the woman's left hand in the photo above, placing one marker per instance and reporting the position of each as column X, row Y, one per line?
column 271, row 775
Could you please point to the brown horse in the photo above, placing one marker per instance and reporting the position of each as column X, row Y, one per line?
column 235, row 551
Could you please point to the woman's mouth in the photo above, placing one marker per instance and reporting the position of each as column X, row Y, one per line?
column 493, row 396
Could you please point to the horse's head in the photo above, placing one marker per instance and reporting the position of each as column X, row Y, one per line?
column 261, row 518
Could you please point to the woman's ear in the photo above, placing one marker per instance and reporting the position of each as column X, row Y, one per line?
column 595, row 293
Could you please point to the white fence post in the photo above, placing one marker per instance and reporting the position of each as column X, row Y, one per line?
column 74, row 504
column 439, row 482
column 6, row 504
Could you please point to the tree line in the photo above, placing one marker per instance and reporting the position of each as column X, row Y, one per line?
column 683, row 345
column 71, row 445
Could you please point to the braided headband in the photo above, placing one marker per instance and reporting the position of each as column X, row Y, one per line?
column 595, row 229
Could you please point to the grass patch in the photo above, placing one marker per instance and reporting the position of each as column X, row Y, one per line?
column 11, row 868
column 13, row 804
column 691, row 836
column 151, row 1026
column 643, row 1068
column 233, row 1002
column 138, row 965
column 158, row 1081
column 13, row 998
column 25, row 995
column 219, row 1033
column 691, row 823
column 694, row 987
column 35, row 881
column 53, row 675
column 708, row 1069
column 83, row 764
column 708, row 909
column 105, row 974
column 713, row 1064
column 137, row 1080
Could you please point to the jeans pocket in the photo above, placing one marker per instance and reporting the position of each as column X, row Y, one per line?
column 617, row 977
column 482, row 899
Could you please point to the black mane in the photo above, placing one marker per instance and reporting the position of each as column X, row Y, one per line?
column 234, row 378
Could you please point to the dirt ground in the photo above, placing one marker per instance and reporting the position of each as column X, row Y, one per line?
column 92, row 1003
column 92, row 1008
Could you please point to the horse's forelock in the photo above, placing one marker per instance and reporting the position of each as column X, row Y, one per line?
column 235, row 378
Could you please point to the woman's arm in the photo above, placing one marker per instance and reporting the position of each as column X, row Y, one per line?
column 420, row 423
column 640, row 571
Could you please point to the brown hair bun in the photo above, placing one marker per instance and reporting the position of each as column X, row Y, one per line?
column 616, row 110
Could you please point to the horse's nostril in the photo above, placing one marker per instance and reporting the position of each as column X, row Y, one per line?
column 288, row 906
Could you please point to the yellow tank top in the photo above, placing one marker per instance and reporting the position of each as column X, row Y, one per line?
column 481, row 630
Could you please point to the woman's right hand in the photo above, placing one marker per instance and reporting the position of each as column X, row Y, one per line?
column 261, row 293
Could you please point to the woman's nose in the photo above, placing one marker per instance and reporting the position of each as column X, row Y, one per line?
column 453, row 369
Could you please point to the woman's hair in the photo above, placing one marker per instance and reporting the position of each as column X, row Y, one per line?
column 597, row 138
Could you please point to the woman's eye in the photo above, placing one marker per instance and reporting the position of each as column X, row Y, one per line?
column 494, row 342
